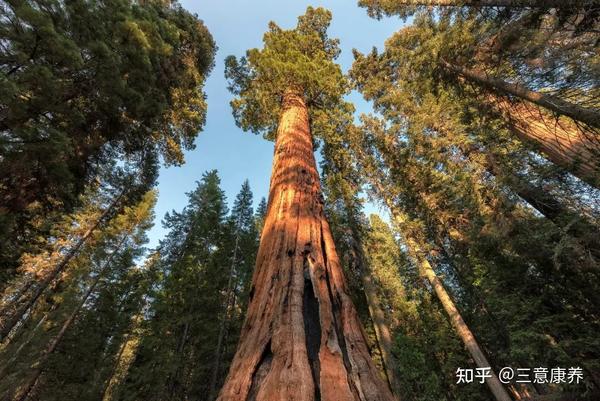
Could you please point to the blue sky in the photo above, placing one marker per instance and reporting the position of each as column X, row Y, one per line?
column 238, row 25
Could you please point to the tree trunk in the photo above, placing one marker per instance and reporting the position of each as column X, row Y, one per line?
column 380, row 323
column 461, row 327
column 576, row 225
column 25, row 390
column 579, row 113
column 15, row 355
column 382, row 331
column 10, row 318
column 463, row 331
column 229, row 303
column 585, row 232
column 562, row 142
column 113, row 371
column 123, row 360
column 302, row 339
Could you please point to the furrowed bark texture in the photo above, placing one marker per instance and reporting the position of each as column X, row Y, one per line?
column 561, row 141
column 302, row 339
column 557, row 105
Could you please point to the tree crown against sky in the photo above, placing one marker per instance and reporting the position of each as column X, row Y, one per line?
column 121, row 71
column 301, row 60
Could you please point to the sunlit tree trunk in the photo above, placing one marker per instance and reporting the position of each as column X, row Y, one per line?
column 25, row 390
column 557, row 105
column 544, row 202
column 123, row 360
column 15, row 311
column 576, row 225
column 562, row 142
column 380, row 323
column 463, row 331
column 302, row 339
column 425, row 270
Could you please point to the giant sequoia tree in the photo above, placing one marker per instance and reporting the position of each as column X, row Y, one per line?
column 302, row 338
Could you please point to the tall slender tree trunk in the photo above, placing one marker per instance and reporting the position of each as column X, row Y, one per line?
column 15, row 355
column 561, row 141
column 382, row 331
column 229, row 303
column 124, row 359
column 544, row 202
column 31, row 383
column 559, row 106
column 109, row 381
column 496, row 387
column 302, row 339
column 10, row 316
column 579, row 227
column 380, row 323
column 463, row 331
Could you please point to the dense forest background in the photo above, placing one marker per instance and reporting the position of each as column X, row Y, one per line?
column 482, row 154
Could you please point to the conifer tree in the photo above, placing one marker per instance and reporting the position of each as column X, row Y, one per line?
column 245, row 246
column 83, row 84
column 544, row 94
column 341, row 185
column 106, row 199
column 302, row 338
column 187, row 340
column 261, row 212
column 452, row 207
column 86, row 318
column 404, row 8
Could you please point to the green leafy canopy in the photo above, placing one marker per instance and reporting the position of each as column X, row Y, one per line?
column 299, row 59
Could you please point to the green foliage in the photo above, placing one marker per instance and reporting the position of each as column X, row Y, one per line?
column 496, row 257
column 205, row 262
column 261, row 213
column 84, row 358
column 379, row 8
column 299, row 60
column 85, row 83
column 426, row 349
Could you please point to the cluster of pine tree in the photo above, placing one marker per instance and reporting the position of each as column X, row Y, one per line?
column 483, row 154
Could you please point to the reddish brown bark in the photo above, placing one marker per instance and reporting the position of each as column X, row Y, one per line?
column 561, row 141
column 555, row 104
column 302, row 339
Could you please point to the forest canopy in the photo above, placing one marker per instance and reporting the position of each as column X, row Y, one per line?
column 438, row 239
